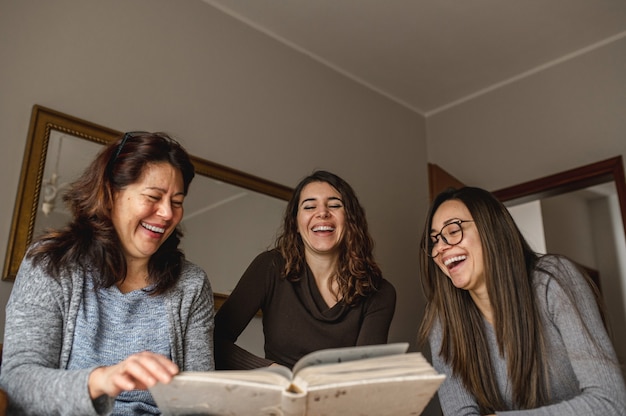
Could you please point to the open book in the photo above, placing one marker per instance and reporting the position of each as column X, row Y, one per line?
column 372, row 380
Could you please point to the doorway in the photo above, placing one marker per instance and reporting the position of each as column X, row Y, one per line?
column 582, row 212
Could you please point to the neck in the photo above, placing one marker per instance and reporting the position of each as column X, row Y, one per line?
column 324, row 268
column 322, row 265
column 481, row 299
column 136, row 276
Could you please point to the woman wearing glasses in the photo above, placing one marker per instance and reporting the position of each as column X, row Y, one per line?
column 107, row 306
column 513, row 331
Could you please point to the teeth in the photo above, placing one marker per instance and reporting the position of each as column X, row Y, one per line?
column 153, row 228
column 453, row 259
column 323, row 228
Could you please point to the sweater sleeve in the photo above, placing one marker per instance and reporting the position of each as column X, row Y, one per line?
column 601, row 385
column 193, row 314
column 237, row 312
column 378, row 315
column 35, row 321
column 453, row 396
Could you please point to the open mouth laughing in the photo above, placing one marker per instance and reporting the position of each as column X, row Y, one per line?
column 153, row 228
column 452, row 262
column 323, row 228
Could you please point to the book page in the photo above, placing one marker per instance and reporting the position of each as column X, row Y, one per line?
column 388, row 382
column 378, row 368
column 188, row 395
column 400, row 384
column 340, row 355
column 277, row 369
column 259, row 376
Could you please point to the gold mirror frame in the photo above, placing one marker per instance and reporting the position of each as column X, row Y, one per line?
column 43, row 121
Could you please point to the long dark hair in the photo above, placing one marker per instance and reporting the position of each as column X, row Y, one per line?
column 509, row 263
column 358, row 275
column 89, row 241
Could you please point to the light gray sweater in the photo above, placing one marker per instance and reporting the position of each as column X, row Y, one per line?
column 583, row 381
column 40, row 321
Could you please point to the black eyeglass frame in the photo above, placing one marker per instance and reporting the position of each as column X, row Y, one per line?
column 127, row 135
column 431, row 245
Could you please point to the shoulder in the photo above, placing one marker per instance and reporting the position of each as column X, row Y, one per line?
column 553, row 263
column 192, row 271
column 34, row 276
column 386, row 289
column 193, row 278
column 266, row 262
column 557, row 270
column 384, row 296
column 34, row 286
column 192, row 288
column 269, row 257
column 558, row 279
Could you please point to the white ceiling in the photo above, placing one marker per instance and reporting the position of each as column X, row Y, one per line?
column 432, row 54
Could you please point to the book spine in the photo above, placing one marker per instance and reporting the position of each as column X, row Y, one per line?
column 293, row 403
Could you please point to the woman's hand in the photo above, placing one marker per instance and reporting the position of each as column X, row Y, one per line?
column 138, row 372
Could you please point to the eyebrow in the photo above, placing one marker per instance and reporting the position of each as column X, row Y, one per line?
column 156, row 188
column 451, row 220
column 332, row 198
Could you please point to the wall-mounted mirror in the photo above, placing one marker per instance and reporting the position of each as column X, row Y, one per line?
column 230, row 216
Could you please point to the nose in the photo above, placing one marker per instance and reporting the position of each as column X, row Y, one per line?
column 322, row 212
column 164, row 209
column 444, row 246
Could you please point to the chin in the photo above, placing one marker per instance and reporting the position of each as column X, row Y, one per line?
column 459, row 284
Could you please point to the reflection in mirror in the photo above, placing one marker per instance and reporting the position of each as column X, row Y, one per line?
column 230, row 216
column 66, row 158
column 225, row 227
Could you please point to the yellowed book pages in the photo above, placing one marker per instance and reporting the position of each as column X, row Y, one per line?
column 370, row 380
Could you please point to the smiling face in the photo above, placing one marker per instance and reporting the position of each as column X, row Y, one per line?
column 462, row 263
column 321, row 218
column 146, row 213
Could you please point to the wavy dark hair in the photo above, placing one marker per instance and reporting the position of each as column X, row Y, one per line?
column 509, row 263
column 357, row 274
column 89, row 240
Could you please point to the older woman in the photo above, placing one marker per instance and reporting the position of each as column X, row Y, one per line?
column 106, row 307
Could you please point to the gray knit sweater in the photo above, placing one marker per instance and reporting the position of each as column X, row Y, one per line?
column 40, row 321
column 582, row 380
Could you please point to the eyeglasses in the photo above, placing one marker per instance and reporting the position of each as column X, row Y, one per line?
column 451, row 234
column 127, row 136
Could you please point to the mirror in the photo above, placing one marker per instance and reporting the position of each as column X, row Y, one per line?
column 230, row 216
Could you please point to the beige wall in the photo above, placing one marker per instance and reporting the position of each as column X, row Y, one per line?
column 567, row 116
column 230, row 94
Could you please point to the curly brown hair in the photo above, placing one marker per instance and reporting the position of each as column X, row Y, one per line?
column 357, row 274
